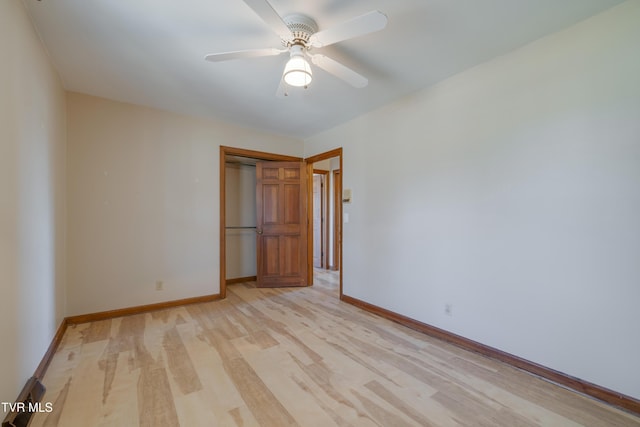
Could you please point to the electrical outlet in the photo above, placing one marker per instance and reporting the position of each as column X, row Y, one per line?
column 159, row 285
column 448, row 309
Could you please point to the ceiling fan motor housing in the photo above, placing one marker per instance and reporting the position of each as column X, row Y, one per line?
column 302, row 28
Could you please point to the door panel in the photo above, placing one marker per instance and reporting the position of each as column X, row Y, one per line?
column 271, row 259
column 281, row 224
column 292, row 173
column 270, row 202
column 292, row 203
column 291, row 263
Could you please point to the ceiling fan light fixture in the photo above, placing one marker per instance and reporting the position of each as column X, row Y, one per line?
column 297, row 72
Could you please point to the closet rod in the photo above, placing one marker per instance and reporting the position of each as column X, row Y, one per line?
column 238, row 227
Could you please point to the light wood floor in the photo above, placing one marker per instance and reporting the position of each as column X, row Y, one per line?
column 285, row 357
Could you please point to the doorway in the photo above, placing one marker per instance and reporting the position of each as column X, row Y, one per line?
column 334, row 243
column 320, row 215
column 232, row 230
column 325, row 210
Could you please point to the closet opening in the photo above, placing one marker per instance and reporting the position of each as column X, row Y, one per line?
column 238, row 251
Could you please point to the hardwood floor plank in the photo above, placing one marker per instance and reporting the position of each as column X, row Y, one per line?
column 122, row 406
column 97, row 331
column 263, row 339
column 357, row 359
column 381, row 415
column 84, row 396
column 162, row 315
column 259, row 399
column 428, row 378
column 320, row 376
column 401, row 405
column 264, row 406
column 179, row 362
column 130, row 332
column 155, row 400
column 237, row 417
column 327, row 408
column 302, row 406
column 52, row 419
column 108, row 363
column 274, row 322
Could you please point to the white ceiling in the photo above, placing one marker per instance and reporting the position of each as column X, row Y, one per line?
column 151, row 52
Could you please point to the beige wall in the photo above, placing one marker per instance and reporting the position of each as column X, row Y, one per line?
column 32, row 194
column 510, row 192
column 143, row 202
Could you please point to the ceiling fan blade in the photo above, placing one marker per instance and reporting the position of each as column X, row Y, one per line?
column 341, row 71
column 268, row 14
column 242, row 54
column 356, row 27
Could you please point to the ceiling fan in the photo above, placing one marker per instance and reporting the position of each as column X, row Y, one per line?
column 299, row 35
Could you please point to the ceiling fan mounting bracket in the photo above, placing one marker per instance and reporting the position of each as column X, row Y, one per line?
column 302, row 28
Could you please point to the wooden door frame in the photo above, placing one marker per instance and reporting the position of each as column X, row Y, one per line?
column 337, row 152
column 337, row 219
column 324, row 227
column 240, row 152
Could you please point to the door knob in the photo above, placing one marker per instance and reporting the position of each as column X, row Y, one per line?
column 259, row 231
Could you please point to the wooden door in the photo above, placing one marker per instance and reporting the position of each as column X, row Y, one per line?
column 281, row 201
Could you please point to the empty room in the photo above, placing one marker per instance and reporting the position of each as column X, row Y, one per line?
column 328, row 213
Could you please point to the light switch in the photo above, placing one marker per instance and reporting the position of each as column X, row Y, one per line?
column 346, row 195
column 345, row 217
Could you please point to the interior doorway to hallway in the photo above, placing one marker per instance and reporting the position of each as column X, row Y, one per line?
column 325, row 207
